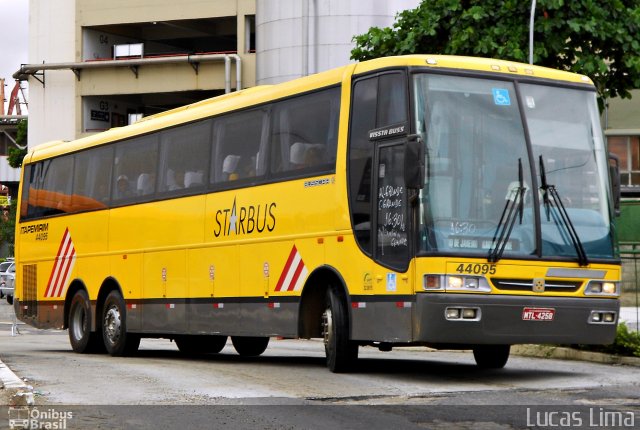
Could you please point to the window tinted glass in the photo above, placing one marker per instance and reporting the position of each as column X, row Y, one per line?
column 304, row 133
column 50, row 187
column 92, row 179
column 378, row 101
column 238, row 138
column 135, row 169
column 184, row 158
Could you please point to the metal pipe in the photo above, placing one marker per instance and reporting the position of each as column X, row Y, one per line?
column 238, row 70
column 27, row 69
column 227, row 74
column 531, row 20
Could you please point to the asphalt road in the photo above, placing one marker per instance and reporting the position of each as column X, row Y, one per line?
column 289, row 387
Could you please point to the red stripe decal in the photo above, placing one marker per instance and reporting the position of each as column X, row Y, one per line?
column 283, row 275
column 53, row 271
column 296, row 275
column 61, row 265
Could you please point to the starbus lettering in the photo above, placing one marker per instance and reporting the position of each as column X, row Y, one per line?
column 245, row 219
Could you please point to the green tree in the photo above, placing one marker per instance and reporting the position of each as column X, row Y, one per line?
column 598, row 38
column 16, row 154
column 8, row 225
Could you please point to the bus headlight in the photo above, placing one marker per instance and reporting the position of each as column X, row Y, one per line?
column 467, row 283
column 602, row 288
column 455, row 283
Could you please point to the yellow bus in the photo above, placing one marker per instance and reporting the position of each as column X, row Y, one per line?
column 451, row 202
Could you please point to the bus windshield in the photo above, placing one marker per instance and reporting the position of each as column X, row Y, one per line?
column 479, row 195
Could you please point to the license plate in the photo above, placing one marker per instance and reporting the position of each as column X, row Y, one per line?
column 538, row 314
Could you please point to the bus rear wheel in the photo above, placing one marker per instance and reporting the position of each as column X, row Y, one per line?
column 341, row 352
column 80, row 336
column 248, row 346
column 491, row 356
column 114, row 327
column 200, row 344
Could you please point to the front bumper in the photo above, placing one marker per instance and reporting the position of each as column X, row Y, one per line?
column 501, row 320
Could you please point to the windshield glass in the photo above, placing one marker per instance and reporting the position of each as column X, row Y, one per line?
column 565, row 135
column 475, row 143
column 478, row 194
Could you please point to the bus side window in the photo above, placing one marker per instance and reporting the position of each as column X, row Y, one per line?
column 135, row 167
column 239, row 137
column 92, row 179
column 184, row 157
column 299, row 143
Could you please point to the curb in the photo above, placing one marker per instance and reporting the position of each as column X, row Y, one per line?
column 561, row 353
column 20, row 394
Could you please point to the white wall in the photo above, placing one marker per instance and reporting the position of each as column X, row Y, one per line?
column 296, row 38
column 52, row 113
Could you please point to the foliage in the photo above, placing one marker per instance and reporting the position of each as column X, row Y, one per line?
column 8, row 226
column 598, row 38
column 626, row 343
column 16, row 155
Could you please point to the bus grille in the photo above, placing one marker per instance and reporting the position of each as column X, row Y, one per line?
column 30, row 290
column 527, row 285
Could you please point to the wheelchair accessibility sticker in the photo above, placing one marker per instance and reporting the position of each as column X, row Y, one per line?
column 501, row 96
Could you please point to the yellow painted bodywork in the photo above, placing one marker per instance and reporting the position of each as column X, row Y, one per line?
column 169, row 249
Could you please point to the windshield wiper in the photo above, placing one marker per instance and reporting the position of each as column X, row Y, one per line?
column 513, row 208
column 552, row 200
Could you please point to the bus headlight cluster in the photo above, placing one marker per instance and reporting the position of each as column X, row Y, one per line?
column 455, row 283
column 602, row 317
column 602, row 288
column 462, row 313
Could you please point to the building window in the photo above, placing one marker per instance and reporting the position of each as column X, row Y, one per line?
column 250, row 33
column 627, row 148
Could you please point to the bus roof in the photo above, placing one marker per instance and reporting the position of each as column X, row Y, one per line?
column 471, row 63
column 265, row 93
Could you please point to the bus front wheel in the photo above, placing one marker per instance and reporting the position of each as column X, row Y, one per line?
column 491, row 356
column 341, row 352
column 80, row 336
column 248, row 346
column 114, row 327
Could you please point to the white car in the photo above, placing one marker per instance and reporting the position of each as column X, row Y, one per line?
column 7, row 282
column 3, row 268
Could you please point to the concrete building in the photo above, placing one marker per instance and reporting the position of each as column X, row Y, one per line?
column 95, row 65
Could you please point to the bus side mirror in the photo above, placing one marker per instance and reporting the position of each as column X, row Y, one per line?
column 614, row 175
column 414, row 166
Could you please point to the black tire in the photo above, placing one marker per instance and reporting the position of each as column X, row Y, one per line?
column 248, row 346
column 82, row 339
column 117, row 340
column 491, row 356
column 9, row 299
column 201, row 344
column 341, row 352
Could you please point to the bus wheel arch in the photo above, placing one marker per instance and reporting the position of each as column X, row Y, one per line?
column 313, row 300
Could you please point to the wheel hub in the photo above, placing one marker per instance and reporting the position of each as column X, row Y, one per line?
column 327, row 326
column 112, row 323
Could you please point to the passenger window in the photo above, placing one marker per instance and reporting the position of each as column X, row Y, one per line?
column 135, row 173
column 304, row 134
column 184, row 157
column 50, row 187
column 238, row 143
column 92, row 179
